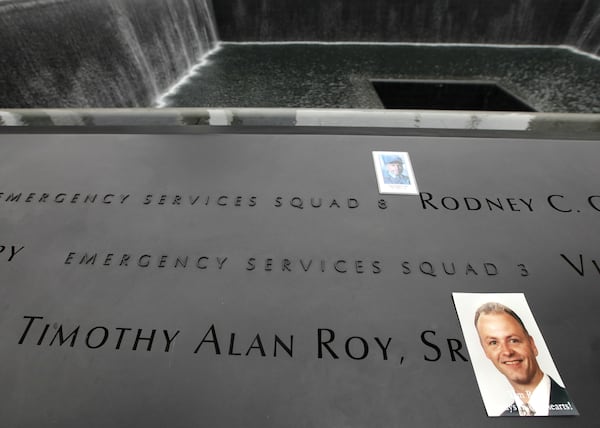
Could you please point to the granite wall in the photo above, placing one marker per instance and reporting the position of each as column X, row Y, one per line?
column 552, row 22
column 98, row 53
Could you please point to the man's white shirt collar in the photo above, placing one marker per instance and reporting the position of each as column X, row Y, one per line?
column 539, row 400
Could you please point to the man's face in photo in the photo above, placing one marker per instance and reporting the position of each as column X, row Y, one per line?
column 394, row 168
column 508, row 347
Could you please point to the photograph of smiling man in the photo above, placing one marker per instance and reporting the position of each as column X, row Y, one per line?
column 513, row 367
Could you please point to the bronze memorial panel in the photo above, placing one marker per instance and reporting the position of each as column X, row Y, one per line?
column 315, row 279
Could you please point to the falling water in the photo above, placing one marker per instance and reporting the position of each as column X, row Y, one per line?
column 539, row 22
column 98, row 53
column 585, row 30
column 126, row 53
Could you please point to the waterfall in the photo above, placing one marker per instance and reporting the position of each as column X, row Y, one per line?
column 125, row 53
column 98, row 53
column 572, row 22
column 585, row 29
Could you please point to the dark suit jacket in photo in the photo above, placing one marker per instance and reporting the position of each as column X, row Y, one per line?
column 560, row 404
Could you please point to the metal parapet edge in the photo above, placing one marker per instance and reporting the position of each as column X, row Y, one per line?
column 409, row 119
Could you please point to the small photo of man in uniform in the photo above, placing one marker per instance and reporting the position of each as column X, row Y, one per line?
column 394, row 173
column 512, row 347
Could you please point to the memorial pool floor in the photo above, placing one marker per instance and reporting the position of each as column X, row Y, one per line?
column 339, row 75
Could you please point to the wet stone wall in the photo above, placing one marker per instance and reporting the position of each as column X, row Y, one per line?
column 93, row 53
column 571, row 22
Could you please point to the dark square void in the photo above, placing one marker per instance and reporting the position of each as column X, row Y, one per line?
column 447, row 95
